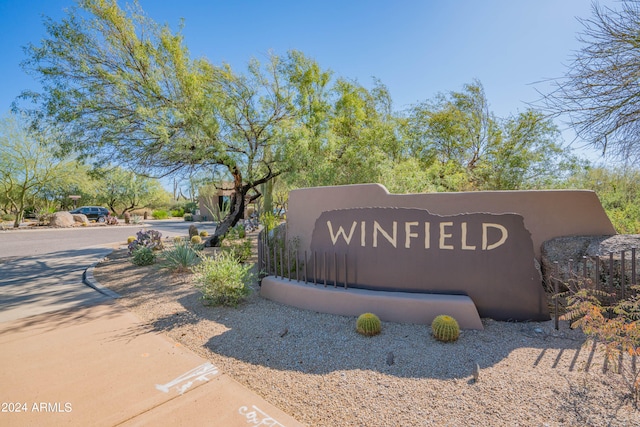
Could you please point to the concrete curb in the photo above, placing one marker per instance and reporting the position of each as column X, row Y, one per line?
column 89, row 280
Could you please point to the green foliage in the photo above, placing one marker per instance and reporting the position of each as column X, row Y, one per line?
column 241, row 230
column 188, row 217
column 240, row 249
column 236, row 244
column 612, row 322
column 180, row 258
column 143, row 255
column 619, row 193
column 122, row 189
column 196, row 240
column 269, row 220
column 445, row 328
column 160, row 214
column 28, row 166
column 190, row 207
column 464, row 147
column 368, row 324
column 223, row 280
column 44, row 215
column 178, row 213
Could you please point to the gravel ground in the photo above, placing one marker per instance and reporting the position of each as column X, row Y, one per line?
column 318, row 369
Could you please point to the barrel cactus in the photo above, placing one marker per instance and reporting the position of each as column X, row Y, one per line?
column 445, row 328
column 196, row 240
column 368, row 324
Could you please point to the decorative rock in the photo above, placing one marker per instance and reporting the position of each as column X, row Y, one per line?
column 390, row 358
column 563, row 249
column 476, row 373
column 62, row 219
column 80, row 218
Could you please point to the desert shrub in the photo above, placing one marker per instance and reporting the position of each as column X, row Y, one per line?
column 368, row 324
column 188, row 217
column 190, row 207
column 8, row 217
column 143, row 256
column 180, row 258
column 178, row 213
column 204, row 234
column 610, row 321
column 240, row 230
column 223, row 280
column 160, row 214
column 269, row 220
column 44, row 215
column 151, row 239
column 196, row 240
column 445, row 328
column 240, row 249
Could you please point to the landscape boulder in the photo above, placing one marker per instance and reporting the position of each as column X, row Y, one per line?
column 80, row 219
column 572, row 250
column 62, row 219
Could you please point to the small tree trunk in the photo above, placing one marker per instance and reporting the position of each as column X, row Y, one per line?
column 19, row 213
column 235, row 214
column 18, row 220
column 236, row 210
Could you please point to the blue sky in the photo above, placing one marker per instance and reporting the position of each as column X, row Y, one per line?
column 416, row 47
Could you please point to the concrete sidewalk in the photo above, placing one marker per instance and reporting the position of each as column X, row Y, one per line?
column 98, row 365
column 70, row 355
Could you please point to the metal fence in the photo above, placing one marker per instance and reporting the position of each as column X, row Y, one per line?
column 280, row 257
column 613, row 274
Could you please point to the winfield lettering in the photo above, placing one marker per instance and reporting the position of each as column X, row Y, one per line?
column 444, row 235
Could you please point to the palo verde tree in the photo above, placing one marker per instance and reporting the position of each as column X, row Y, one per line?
column 27, row 165
column 124, row 191
column 123, row 90
column 464, row 146
column 600, row 94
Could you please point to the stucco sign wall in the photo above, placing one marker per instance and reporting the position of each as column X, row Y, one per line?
column 479, row 244
column 488, row 257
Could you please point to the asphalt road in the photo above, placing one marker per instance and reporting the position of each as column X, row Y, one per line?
column 33, row 242
column 41, row 270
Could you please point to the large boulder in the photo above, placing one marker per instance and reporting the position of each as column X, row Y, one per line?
column 81, row 219
column 571, row 251
column 62, row 219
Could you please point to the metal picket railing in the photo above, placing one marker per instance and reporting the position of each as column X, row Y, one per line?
column 614, row 274
column 278, row 257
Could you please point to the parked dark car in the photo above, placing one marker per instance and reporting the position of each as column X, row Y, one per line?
column 93, row 213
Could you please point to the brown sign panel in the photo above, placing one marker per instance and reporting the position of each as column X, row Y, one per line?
column 488, row 257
